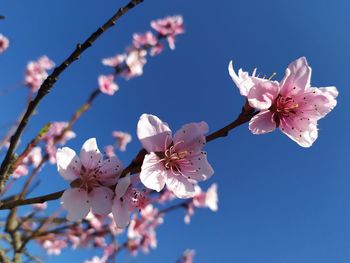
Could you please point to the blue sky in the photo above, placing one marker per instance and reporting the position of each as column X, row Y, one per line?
column 279, row 203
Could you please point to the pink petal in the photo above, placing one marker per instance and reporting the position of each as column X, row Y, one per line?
column 317, row 103
column 90, row 155
column 101, row 200
column 154, row 134
column 68, row 163
column 180, row 186
column 153, row 172
column 111, row 169
column 301, row 130
column 243, row 81
column 297, row 78
column 200, row 169
column 262, row 94
column 191, row 136
column 76, row 202
column 211, row 199
column 122, row 186
column 120, row 213
column 262, row 123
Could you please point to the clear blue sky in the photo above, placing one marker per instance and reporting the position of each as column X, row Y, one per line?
column 279, row 203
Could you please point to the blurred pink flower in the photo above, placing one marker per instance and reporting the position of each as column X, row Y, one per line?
column 144, row 40
column 169, row 27
column 107, row 85
column 54, row 247
column 36, row 72
column 135, row 61
column 178, row 161
column 92, row 177
column 123, row 138
column 4, row 43
column 115, row 61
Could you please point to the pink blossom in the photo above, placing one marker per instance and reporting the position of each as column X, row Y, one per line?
column 109, row 150
column 36, row 72
column 95, row 260
column 126, row 199
column 20, row 171
column 54, row 247
column 243, row 81
column 123, row 138
column 51, row 138
column 135, row 61
column 34, row 157
column 291, row 105
column 107, row 85
column 207, row 199
column 4, row 43
column 187, row 256
column 40, row 206
column 144, row 40
column 92, row 176
column 178, row 161
column 115, row 61
column 169, row 27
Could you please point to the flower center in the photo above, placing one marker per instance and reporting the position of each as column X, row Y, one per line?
column 283, row 107
column 174, row 159
column 135, row 198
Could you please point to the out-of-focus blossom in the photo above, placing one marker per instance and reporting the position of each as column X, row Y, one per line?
column 135, row 61
column 114, row 61
column 178, row 161
column 4, row 43
column 33, row 158
column 40, row 206
column 36, row 72
column 21, row 170
column 126, row 199
column 95, row 260
column 54, row 247
column 291, row 105
column 207, row 199
column 107, row 85
column 92, row 176
column 53, row 137
column 109, row 150
column 187, row 256
column 169, row 27
column 122, row 138
column 144, row 40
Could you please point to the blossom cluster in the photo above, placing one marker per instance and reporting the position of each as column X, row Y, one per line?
column 130, row 63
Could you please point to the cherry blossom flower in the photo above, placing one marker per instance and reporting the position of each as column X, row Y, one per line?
column 109, row 150
column 187, row 256
column 169, row 27
column 123, row 138
column 126, row 199
column 36, row 72
column 40, row 206
column 115, row 61
column 34, row 158
column 4, row 43
column 145, row 39
column 92, row 176
column 107, row 85
column 95, row 259
column 207, row 199
column 53, row 137
column 291, row 105
column 178, row 161
column 135, row 61
column 54, row 247
column 21, row 170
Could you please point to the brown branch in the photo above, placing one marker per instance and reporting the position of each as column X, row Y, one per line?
column 51, row 80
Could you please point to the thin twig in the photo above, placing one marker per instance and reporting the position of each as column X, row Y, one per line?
column 51, row 80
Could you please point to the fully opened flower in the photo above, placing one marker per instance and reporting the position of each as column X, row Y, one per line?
column 178, row 161
column 291, row 105
column 91, row 177
column 126, row 199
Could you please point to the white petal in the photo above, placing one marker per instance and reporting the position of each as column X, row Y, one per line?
column 76, row 202
column 153, row 172
column 90, row 155
column 122, row 186
column 154, row 134
column 120, row 213
column 200, row 168
column 68, row 163
column 180, row 186
column 101, row 200
column 243, row 81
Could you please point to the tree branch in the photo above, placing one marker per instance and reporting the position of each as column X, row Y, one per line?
column 51, row 80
